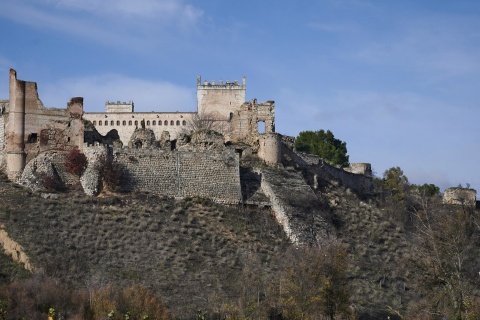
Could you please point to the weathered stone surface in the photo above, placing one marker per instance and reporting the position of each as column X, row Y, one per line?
column 47, row 164
column 460, row 196
column 207, row 140
column 317, row 168
column 91, row 178
column 295, row 205
column 142, row 138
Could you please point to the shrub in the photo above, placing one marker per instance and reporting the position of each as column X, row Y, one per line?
column 50, row 182
column 112, row 172
column 75, row 162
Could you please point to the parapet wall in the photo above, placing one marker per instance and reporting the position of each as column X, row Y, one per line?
column 210, row 174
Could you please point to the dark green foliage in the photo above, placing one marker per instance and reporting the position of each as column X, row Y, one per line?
column 324, row 145
column 396, row 183
column 427, row 189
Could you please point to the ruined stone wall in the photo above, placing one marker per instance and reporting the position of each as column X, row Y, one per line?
column 360, row 168
column 245, row 121
column 208, row 174
column 220, row 99
column 460, row 196
column 125, row 123
column 319, row 169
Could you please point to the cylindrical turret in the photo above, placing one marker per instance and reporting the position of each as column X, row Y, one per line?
column 270, row 148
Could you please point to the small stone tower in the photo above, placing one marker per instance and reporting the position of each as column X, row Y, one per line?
column 270, row 148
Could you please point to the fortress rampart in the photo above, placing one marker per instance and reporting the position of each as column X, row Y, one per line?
column 210, row 174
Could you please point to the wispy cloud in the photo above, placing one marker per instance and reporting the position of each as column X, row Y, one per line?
column 441, row 44
column 96, row 90
column 140, row 23
column 161, row 10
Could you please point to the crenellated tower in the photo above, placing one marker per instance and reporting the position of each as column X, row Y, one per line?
column 220, row 100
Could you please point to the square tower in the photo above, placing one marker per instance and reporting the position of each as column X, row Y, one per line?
column 220, row 100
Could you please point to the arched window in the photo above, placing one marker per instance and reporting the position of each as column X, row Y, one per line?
column 148, row 122
column 118, row 122
column 124, row 123
column 184, row 123
column 106, row 122
column 100, row 122
column 94, row 123
column 130, row 122
column 154, row 122
column 136, row 122
column 178, row 122
column 166, row 123
column 159, row 122
column 172, row 122
column 112, row 123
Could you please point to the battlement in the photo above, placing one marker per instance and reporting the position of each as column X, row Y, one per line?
column 220, row 85
column 119, row 106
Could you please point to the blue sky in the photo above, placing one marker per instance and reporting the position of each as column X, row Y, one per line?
column 398, row 81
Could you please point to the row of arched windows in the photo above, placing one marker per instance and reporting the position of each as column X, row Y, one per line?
column 130, row 122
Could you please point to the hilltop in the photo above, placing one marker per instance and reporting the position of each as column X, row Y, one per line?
column 195, row 254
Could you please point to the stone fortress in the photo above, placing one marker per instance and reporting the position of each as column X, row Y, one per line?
column 160, row 152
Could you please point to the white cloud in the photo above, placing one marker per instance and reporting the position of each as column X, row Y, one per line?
column 96, row 90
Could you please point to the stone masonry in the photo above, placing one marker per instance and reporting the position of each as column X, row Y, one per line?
column 209, row 174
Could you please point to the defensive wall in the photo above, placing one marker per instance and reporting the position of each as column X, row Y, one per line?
column 360, row 181
column 210, row 174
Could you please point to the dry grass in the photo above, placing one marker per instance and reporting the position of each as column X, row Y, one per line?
column 176, row 247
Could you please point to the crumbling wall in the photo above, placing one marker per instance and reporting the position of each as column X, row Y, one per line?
column 296, row 207
column 319, row 169
column 460, row 196
column 245, row 121
column 210, row 174
column 27, row 117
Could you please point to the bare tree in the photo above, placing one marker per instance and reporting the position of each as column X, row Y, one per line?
column 446, row 259
column 208, row 121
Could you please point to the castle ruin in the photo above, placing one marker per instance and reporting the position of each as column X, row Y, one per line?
column 160, row 152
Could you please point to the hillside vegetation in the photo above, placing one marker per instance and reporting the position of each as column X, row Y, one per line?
column 391, row 257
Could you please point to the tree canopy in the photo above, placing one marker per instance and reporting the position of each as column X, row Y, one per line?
column 323, row 144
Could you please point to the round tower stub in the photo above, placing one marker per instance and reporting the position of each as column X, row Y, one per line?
column 270, row 148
